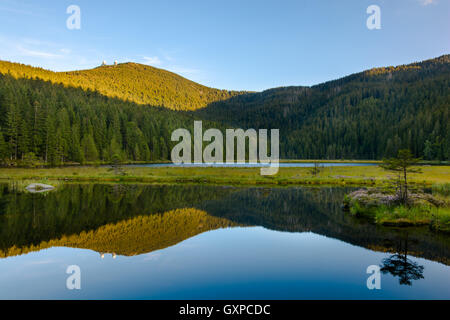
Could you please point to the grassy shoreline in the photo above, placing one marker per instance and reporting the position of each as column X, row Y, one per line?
column 384, row 207
column 436, row 218
column 372, row 177
column 345, row 175
column 39, row 164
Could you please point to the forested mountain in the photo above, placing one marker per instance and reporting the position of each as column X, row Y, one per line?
column 133, row 82
column 41, row 120
column 367, row 115
column 95, row 115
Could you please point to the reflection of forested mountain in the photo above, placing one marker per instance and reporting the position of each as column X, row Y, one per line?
column 319, row 210
column 133, row 219
column 29, row 219
column 136, row 235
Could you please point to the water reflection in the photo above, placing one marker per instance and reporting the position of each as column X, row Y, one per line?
column 399, row 265
column 207, row 242
column 135, row 219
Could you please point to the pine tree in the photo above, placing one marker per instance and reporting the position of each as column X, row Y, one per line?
column 89, row 149
column 155, row 149
column 164, row 155
column 402, row 164
column 24, row 142
column 115, row 150
column 3, row 149
column 12, row 128
column 51, row 143
column 428, row 150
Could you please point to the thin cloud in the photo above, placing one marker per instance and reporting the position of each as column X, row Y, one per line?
column 42, row 262
column 44, row 54
column 36, row 42
column 167, row 55
column 167, row 62
column 38, row 54
column 24, row 12
column 183, row 71
column 154, row 61
column 428, row 2
column 152, row 256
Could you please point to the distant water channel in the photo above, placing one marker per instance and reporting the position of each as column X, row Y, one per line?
column 254, row 165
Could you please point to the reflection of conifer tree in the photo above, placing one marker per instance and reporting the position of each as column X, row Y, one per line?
column 400, row 266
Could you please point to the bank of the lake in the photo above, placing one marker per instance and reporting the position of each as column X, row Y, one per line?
column 385, row 207
column 370, row 175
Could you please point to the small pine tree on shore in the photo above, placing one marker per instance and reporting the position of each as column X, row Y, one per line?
column 402, row 165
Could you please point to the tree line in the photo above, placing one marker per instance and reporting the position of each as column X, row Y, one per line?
column 41, row 121
column 369, row 115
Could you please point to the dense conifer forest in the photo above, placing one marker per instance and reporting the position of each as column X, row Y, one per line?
column 369, row 115
column 51, row 123
column 125, row 112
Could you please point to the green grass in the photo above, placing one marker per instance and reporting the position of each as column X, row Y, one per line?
column 441, row 189
column 437, row 218
column 343, row 176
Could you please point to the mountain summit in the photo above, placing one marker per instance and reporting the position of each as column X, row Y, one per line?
column 134, row 82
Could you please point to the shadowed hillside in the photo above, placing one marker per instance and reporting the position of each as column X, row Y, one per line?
column 318, row 210
column 367, row 115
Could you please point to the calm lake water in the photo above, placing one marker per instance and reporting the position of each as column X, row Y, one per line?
column 207, row 242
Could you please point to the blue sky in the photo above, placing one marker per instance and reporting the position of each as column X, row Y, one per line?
column 244, row 45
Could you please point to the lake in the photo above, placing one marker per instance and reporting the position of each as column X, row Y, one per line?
column 252, row 165
column 208, row 242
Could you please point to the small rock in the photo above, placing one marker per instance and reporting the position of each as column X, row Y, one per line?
column 39, row 187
